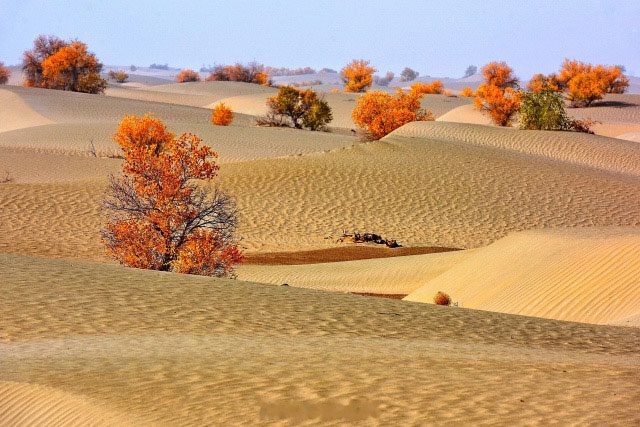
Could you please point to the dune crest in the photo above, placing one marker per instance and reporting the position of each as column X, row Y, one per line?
column 17, row 114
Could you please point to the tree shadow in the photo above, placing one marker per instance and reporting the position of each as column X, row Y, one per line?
column 617, row 104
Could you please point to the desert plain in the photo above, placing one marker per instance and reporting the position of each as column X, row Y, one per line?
column 535, row 235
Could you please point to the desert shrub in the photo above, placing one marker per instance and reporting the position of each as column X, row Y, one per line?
column 470, row 71
column 5, row 73
column 540, row 82
column 221, row 115
column 300, row 108
column 284, row 71
column 43, row 47
column 441, row 298
column 408, row 75
column 384, row 81
column 434, row 88
column 543, row 111
column 357, row 76
column 133, row 68
column 119, row 76
column 380, row 113
column 250, row 73
column 160, row 216
column 186, row 76
column 466, row 92
column 499, row 74
column 73, row 68
column 501, row 104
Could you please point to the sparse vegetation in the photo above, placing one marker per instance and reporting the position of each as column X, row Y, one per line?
column 284, row 71
column 434, row 88
column 384, row 81
column 186, row 76
column 470, row 71
column 357, row 76
column 408, row 75
column 155, row 66
column 498, row 95
column 133, row 68
column 442, row 298
column 119, row 76
column 160, row 218
column 467, row 92
column 221, row 115
column 297, row 108
column 357, row 237
column 250, row 73
column 5, row 73
column 327, row 71
column 380, row 113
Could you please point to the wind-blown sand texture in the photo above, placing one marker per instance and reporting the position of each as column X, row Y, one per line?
column 82, row 339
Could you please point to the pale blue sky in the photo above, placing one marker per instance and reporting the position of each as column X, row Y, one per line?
column 439, row 38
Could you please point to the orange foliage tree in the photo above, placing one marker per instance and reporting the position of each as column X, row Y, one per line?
column 4, row 74
column 162, row 216
column 357, row 76
column 73, row 68
column 499, row 74
column 43, row 47
column 185, row 76
column 466, row 92
column 501, row 104
column 380, row 113
column 433, row 88
column 586, row 83
column 540, row 82
column 221, row 115
column 250, row 73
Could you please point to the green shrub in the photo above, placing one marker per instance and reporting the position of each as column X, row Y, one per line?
column 302, row 108
column 543, row 111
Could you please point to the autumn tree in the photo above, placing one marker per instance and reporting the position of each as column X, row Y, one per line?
column 357, row 76
column 380, row 113
column 43, row 47
column 540, row 82
column 119, row 76
column 408, row 75
column 384, row 81
column 253, row 72
column 434, row 88
column 5, row 73
column 73, row 68
column 501, row 104
column 221, row 115
column 162, row 213
column 300, row 108
column 467, row 92
column 470, row 71
column 186, row 76
column 499, row 74
column 586, row 83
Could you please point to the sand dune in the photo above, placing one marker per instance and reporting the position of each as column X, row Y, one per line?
column 582, row 149
column 174, row 349
column 466, row 114
column 588, row 276
column 16, row 114
column 401, row 275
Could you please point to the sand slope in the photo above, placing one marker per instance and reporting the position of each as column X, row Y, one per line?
column 16, row 114
column 580, row 275
column 186, row 350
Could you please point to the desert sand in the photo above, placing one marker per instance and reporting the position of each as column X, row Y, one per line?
column 548, row 224
column 154, row 348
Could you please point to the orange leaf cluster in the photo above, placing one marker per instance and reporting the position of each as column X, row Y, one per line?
column 357, row 76
column 4, row 74
column 434, row 88
column 221, row 115
column 540, row 82
column 72, row 68
column 43, row 47
column 499, row 74
column 466, row 92
column 380, row 113
column 501, row 104
column 586, row 83
column 186, row 76
column 161, row 219
column 442, row 298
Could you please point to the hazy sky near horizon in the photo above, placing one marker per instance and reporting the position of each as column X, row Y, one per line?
column 439, row 38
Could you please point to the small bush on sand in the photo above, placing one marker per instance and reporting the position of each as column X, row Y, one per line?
column 119, row 76
column 4, row 74
column 442, row 299
column 250, row 73
column 186, row 76
column 434, row 88
column 498, row 96
column 221, row 115
column 379, row 113
column 297, row 108
column 467, row 92
column 357, row 76
column 545, row 111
